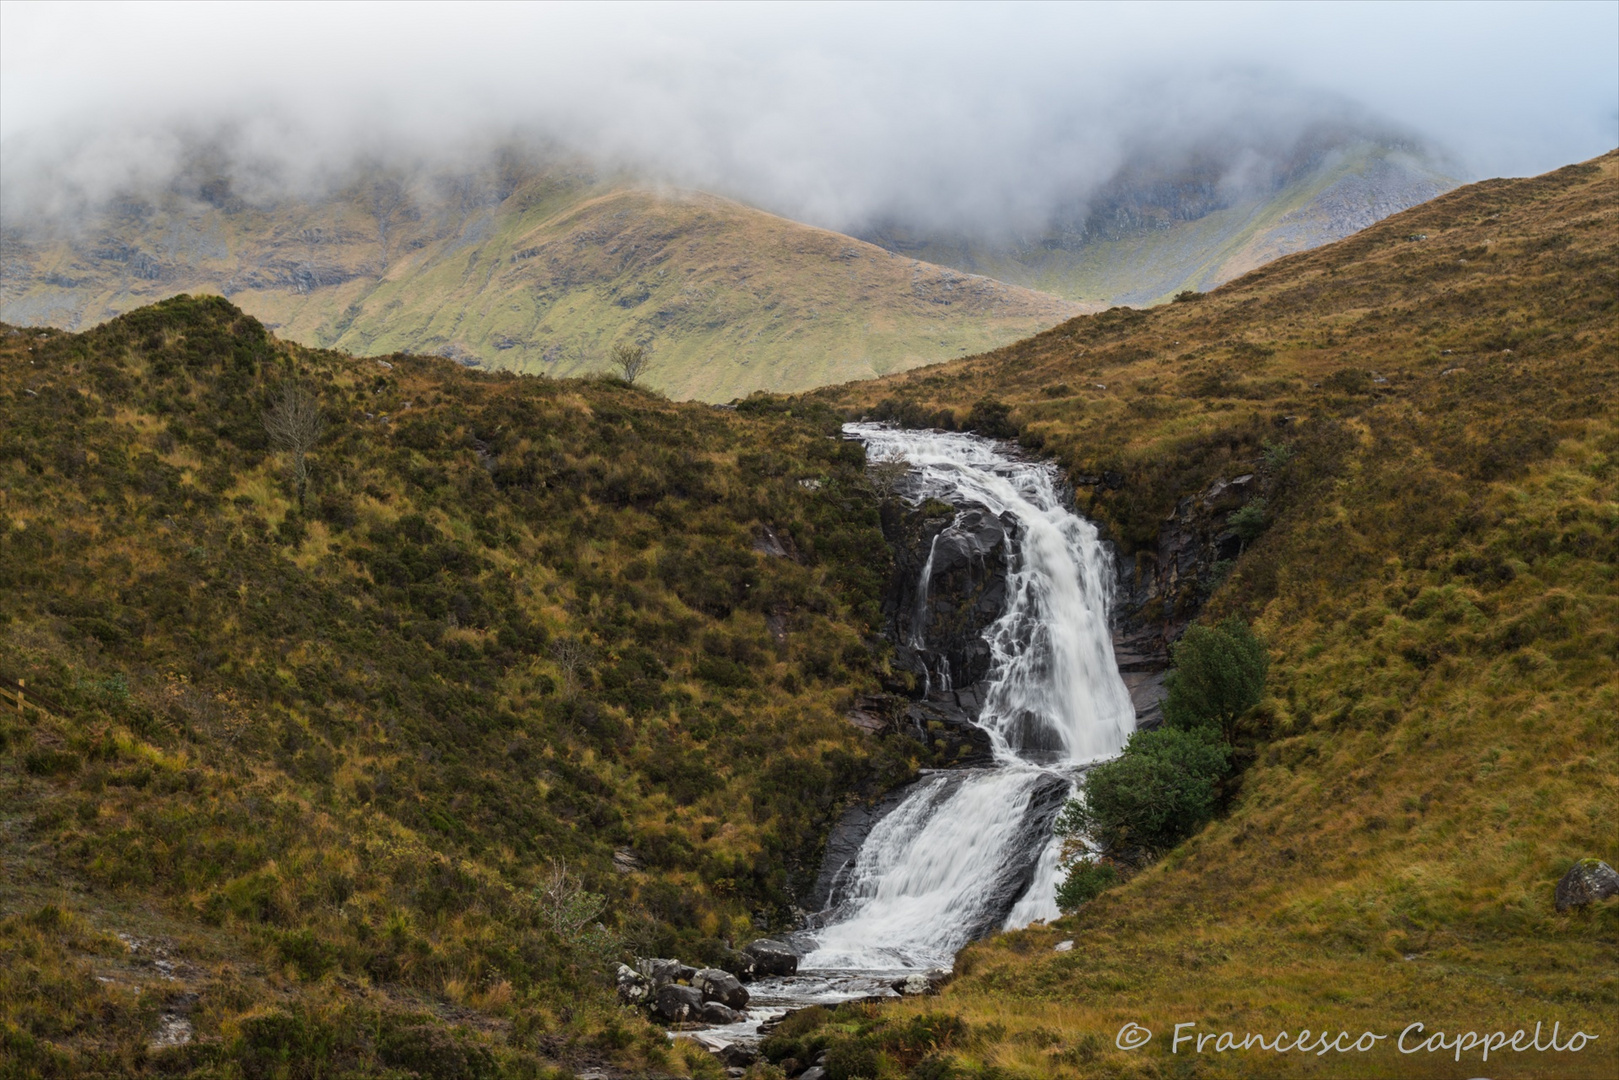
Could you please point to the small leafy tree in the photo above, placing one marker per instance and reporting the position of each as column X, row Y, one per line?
column 1250, row 520
column 1155, row 794
column 1278, row 454
column 992, row 418
column 295, row 425
column 631, row 361
column 573, row 913
column 1219, row 674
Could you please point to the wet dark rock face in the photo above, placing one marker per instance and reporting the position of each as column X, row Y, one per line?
column 940, row 656
column 937, row 626
column 935, row 690
column 843, row 847
column 1161, row 590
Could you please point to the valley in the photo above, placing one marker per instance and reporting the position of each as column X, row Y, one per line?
column 1422, row 418
column 542, row 674
column 1147, row 235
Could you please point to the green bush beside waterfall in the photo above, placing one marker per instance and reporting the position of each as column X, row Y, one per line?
column 1165, row 785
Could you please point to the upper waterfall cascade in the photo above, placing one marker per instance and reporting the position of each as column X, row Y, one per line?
column 969, row 850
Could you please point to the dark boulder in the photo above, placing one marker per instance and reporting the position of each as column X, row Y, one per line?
column 661, row 971
column 717, row 1012
column 772, row 958
column 937, row 625
column 676, row 1004
column 721, row 986
column 1586, row 882
column 737, row 1056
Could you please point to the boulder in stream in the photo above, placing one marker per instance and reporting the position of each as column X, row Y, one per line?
column 717, row 1012
column 677, row 1004
column 772, row 957
column 921, row 983
column 720, row 986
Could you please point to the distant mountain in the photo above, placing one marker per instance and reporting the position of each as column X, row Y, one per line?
column 535, row 273
column 544, row 269
column 1157, row 229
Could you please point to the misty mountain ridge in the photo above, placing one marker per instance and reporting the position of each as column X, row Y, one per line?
column 541, row 265
column 1158, row 227
column 533, row 269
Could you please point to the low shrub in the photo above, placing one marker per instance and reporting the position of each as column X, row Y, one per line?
column 1087, row 879
column 1155, row 794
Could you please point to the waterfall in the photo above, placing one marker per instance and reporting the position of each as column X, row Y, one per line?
column 968, row 851
column 919, row 617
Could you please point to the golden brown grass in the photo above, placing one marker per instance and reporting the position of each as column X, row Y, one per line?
column 1440, row 592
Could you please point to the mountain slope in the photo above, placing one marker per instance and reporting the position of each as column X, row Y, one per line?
column 1429, row 412
column 538, row 274
column 309, row 767
column 1147, row 237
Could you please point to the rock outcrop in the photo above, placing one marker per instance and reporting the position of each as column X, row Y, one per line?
column 1162, row 589
column 949, row 586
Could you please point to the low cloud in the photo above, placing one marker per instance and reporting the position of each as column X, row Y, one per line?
column 966, row 118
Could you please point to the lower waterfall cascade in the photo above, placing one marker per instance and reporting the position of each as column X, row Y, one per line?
column 971, row 850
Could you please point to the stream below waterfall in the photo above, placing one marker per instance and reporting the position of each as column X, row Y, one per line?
column 969, row 851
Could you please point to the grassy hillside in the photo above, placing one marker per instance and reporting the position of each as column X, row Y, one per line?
column 538, row 272
column 1432, row 407
column 1144, row 246
column 306, row 772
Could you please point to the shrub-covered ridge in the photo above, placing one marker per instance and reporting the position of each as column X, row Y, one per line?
column 322, row 757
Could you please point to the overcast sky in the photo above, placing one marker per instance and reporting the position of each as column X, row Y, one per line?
column 833, row 114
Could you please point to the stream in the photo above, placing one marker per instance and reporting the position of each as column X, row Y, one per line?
column 970, row 851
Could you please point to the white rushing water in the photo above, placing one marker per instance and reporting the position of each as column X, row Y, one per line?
column 933, row 873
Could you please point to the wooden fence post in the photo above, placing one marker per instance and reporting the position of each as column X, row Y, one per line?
column 19, row 698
